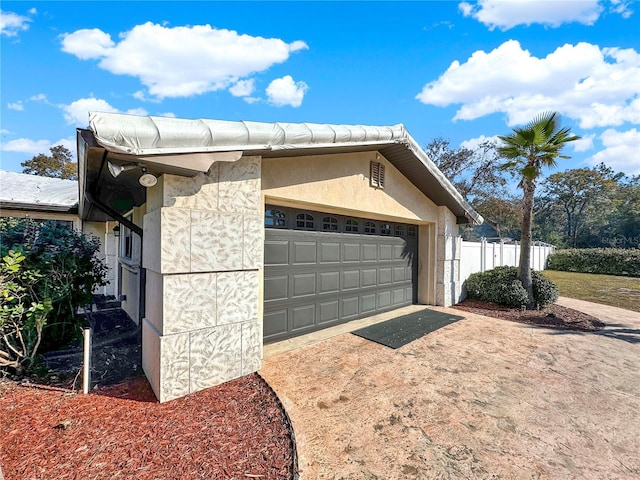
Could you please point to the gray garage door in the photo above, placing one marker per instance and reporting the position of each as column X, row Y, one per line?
column 323, row 269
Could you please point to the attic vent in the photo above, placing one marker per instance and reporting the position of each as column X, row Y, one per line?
column 377, row 175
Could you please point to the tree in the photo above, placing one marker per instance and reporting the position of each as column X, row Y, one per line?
column 583, row 196
column 472, row 172
column 528, row 150
column 58, row 165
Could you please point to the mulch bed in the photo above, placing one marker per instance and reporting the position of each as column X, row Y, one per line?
column 553, row 316
column 234, row 431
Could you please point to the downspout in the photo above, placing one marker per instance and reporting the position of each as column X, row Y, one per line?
column 92, row 197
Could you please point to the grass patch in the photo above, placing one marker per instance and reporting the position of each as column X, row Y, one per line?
column 622, row 292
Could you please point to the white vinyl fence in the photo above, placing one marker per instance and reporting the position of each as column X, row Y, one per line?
column 483, row 255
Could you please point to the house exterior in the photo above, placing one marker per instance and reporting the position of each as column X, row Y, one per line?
column 256, row 232
column 54, row 199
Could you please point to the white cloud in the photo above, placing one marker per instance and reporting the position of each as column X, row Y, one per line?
column 621, row 151
column 243, row 88
column 41, row 97
column 36, row 147
column 285, row 91
column 11, row 23
column 181, row 61
column 584, row 144
column 621, row 7
column 599, row 87
column 77, row 112
column 4, row 131
column 474, row 143
column 18, row 106
column 506, row 14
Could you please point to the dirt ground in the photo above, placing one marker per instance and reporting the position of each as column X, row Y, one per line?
column 482, row 398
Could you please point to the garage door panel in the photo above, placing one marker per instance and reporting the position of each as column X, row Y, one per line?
column 384, row 299
column 385, row 275
column 277, row 252
column 304, row 253
column 369, row 277
column 275, row 323
column 303, row 284
column 328, row 311
column 368, row 303
column 386, row 252
column 317, row 278
column 351, row 252
column 329, row 252
column 369, row 252
column 276, row 288
column 350, row 279
column 350, row 307
column 329, row 282
column 303, row 317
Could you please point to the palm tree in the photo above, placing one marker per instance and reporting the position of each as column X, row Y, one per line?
column 527, row 150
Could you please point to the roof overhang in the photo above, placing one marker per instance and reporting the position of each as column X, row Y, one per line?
column 189, row 147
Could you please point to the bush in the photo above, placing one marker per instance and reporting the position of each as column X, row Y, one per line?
column 68, row 269
column 604, row 261
column 501, row 286
column 22, row 314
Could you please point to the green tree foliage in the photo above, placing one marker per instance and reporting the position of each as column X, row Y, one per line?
column 527, row 151
column 588, row 208
column 67, row 267
column 59, row 164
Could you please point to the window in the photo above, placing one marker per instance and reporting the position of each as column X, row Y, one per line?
column 330, row 223
column 351, row 226
column 126, row 240
column 412, row 232
column 275, row 218
column 305, row 221
column 370, row 228
column 377, row 175
column 398, row 231
column 385, row 229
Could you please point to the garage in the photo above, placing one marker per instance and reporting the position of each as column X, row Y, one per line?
column 323, row 269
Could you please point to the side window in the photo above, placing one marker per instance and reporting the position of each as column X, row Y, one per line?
column 304, row 221
column 275, row 218
column 351, row 226
column 370, row 228
column 126, row 240
column 330, row 223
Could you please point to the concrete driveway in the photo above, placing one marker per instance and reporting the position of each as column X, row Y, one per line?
column 479, row 399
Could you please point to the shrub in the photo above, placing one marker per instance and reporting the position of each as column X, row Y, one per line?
column 604, row 261
column 23, row 314
column 66, row 261
column 501, row 286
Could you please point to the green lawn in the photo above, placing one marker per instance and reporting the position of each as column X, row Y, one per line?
column 622, row 292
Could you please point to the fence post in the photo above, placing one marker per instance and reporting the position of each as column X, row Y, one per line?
column 483, row 254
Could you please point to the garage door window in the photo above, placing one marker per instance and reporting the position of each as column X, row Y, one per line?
column 351, row 226
column 370, row 228
column 399, row 231
column 385, row 229
column 304, row 221
column 412, row 232
column 330, row 224
column 275, row 218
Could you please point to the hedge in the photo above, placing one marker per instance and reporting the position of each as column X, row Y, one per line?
column 605, row 261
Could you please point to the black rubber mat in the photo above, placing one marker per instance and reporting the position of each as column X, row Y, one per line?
column 399, row 331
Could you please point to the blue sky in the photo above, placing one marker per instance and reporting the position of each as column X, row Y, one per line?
column 460, row 70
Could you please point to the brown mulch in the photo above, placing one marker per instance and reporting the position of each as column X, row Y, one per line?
column 234, row 431
column 553, row 316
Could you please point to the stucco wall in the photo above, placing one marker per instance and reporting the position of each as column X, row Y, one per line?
column 340, row 183
column 108, row 251
column 203, row 249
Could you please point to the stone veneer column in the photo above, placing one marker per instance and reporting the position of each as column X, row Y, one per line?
column 449, row 246
column 203, row 251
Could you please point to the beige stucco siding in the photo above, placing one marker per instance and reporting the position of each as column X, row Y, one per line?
column 340, row 184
